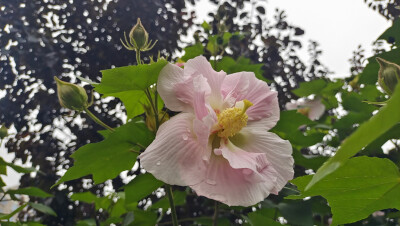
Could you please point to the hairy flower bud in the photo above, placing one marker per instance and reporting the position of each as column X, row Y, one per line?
column 139, row 35
column 388, row 75
column 3, row 131
column 71, row 96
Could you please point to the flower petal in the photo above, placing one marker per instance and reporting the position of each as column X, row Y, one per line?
column 175, row 156
column 200, row 66
column 231, row 186
column 245, row 85
column 277, row 151
column 169, row 76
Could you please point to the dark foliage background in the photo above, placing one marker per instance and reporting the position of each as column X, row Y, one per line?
column 64, row 39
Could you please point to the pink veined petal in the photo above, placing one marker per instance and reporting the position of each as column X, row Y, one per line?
column 175, row 156
column 232, row 186
column 234, row 88
column 169, row 76
column 277, row 151
column 244, row 85
column 200, row 66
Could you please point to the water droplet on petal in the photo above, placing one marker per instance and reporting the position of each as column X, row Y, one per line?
column 211, row 182
column 185, row 137
column 158, row 163
column 247, row 171
column 205, row 158
column 218, row 151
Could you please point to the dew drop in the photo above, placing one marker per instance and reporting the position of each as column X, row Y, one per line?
column 218, row 151
column 205, row 158
column 211, row 182
column 185, row 137
column 158, row 163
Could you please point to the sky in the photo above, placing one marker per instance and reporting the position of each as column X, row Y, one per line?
column 339, row 26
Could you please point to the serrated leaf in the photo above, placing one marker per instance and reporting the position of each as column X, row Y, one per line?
column 312, row 87
column 31, row 191
column 106, row 159
column 360, row 187
column 386, row 118
column 42, row 208
column 128, row 84
column 140, row 187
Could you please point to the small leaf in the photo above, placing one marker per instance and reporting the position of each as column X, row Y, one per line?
column 311, row 87
column 140, row 187
column 261, row 10
column 31, row 191
column 42, row 208
column 193, row 51
column 86, row 197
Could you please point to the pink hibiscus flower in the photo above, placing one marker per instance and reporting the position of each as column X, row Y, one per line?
column 219, row 145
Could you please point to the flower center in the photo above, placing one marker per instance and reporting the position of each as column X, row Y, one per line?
column 232, row 120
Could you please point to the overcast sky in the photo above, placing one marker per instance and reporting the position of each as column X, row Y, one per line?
column 339, row 26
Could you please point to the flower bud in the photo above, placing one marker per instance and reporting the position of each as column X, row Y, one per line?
column 388, row 75
column 151, row 119
column 3, row 131
column 139, row 35
column 71, row 96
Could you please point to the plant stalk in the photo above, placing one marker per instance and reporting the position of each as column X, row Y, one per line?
column 97, row 120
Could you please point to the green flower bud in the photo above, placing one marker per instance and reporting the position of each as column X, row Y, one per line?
column 139, row 35
column 71, row 96
column 388, row 75
column 3, row 131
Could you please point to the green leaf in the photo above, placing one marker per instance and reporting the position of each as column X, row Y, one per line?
column 31, row 191
column 311, row 87
column 260, row 218
column 144, row 218
column 8, row 216
column 296, row 212
column 108, row 158
column 193, row 51
column 128, row 83
column 370, row 72
column 42, row 208
column 86, row 197
column 386, row 118
column 360, row 187
column 140, row 187
column 86, row 222
column 229, row 65
column 392, row 34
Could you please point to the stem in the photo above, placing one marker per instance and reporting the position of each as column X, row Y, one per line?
column 168, row 188
column 97, row 120
column 215, row 217
column 156, row 109
column 138, row 57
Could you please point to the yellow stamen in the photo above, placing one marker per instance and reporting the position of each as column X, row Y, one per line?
column 232, row 120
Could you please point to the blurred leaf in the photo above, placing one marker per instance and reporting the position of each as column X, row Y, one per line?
column 193, row 51
column 385, row 119
column 392, row 34
column 118, row 208
column 128, row 219
column 296, row 212
column 360, row 187
column 308, row 162
column 86, row 197
column 140, row 187
column 144, row 218
column 260, row 218
column 106, row 159
column 229, row 65
column 42, row 208
column 86, row 222
column 370, row 72
column 179, row 199
column 311, row 87
column 260, row 9
column 31, row 191
column 127, row 84
column 4, row 216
